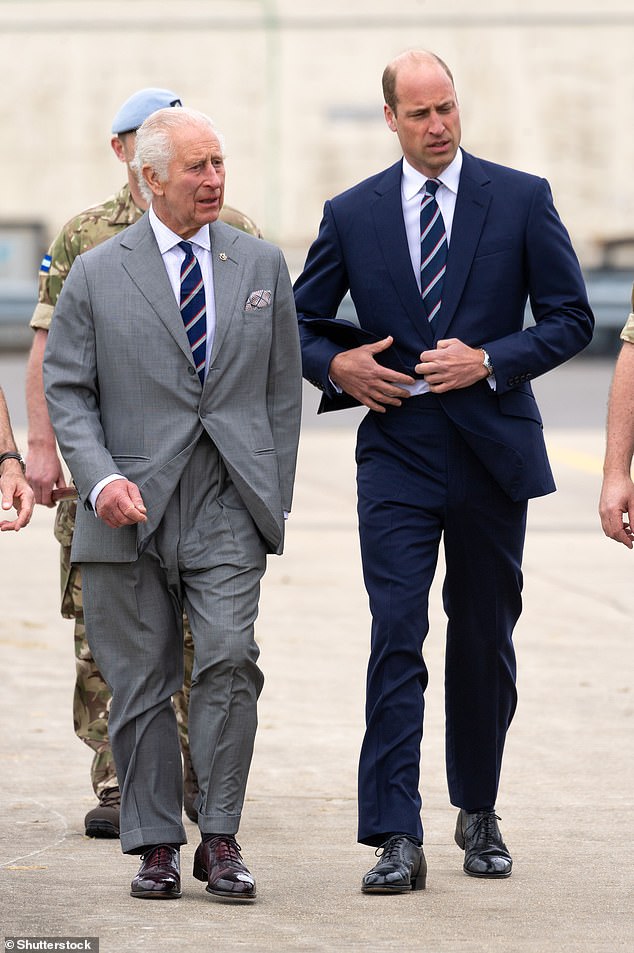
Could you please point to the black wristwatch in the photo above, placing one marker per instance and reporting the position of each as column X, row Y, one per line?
column 12, row 455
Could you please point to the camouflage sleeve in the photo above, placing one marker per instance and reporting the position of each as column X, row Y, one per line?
column 627, row 334
column 53, row 273
column 42, row 317
column 231, row 216
column 69, row 574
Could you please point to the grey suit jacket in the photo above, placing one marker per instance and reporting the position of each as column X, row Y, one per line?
column 124, row 396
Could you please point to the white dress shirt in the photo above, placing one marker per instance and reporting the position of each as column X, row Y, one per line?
column 173, row 257
column 412, row 189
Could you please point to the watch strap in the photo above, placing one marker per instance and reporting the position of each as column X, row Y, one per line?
column 12, row 455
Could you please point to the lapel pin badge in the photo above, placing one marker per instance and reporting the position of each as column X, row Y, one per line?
column 222, row 256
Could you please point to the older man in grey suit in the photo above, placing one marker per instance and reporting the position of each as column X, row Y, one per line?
column 173, row 379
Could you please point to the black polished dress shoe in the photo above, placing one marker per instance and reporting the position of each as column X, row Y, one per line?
column 218, row 861
column 159, row 874
column 479, row 836
column 401, row 867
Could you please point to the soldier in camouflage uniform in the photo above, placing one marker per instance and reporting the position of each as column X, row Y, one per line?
column 92, row 696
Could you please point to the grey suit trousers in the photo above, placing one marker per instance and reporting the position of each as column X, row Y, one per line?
column 207, row 557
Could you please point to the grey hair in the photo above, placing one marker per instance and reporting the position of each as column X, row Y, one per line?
column 154, row 145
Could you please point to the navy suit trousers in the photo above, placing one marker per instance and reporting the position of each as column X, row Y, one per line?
column 419, row 483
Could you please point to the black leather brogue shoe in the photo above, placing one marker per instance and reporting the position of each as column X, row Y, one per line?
column 401, row 867
column 218, row 861
column 486, row 854
column 159, row 874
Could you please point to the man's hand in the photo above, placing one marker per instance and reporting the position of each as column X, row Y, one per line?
column 358, row 374
column 451, row 366
column 120, row 504
column 15, row 492
column 617, row 501
column 44, row 472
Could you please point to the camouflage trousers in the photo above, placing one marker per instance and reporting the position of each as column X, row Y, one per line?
column 91, row 700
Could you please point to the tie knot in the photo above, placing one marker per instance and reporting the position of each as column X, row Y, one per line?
column 431, row 186
column 187, row 248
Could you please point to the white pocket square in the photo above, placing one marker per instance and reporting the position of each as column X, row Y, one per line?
column 258, row 299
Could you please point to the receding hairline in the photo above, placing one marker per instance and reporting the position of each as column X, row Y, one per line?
column 411, row 58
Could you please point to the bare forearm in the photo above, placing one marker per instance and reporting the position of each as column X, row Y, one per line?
column 7, row 440
column 620, row 427
column 40, row 429
column 616, row 504
column 43, row 467
column 14, row 490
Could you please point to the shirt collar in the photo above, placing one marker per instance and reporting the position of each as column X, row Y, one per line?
column 413, row 180
column 167, row 239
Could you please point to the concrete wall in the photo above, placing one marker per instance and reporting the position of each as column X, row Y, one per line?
column 295, row 87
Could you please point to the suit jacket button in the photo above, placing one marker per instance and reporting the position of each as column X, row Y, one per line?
column 191, row 370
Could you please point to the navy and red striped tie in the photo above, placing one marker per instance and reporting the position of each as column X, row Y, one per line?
column 193, row 308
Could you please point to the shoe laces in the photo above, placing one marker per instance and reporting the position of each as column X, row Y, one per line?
column 390, row 847
column 227, row 849
column 111, row 797
column 161, row 855
column 485, row 828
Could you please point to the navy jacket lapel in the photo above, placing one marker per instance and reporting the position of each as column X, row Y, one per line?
column 387, row 212
column 472, row 205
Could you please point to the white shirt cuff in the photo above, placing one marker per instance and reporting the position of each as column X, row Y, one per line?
column 98, row 487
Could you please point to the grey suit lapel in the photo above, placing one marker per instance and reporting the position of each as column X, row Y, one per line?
column 227, row 275
column 142, row 261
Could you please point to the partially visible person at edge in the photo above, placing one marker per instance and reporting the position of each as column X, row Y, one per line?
column 173, row 379
column 440, row 252
column 91, row 702
column 616, row 504
column 14, row 489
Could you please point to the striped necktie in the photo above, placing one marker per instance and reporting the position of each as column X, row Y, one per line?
column 433, row 250
column 193, row 309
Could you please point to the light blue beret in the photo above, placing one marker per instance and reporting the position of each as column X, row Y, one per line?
column 141, row 105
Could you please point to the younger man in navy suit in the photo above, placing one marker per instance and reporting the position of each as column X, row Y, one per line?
column 440, row 253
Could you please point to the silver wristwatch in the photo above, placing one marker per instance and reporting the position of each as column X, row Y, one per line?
column 487, row 362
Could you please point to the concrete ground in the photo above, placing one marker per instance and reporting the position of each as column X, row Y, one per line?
column 566, row 795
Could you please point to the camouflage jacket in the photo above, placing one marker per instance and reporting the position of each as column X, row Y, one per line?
column 90, row 228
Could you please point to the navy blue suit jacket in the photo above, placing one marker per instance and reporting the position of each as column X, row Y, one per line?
column 507, row 243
